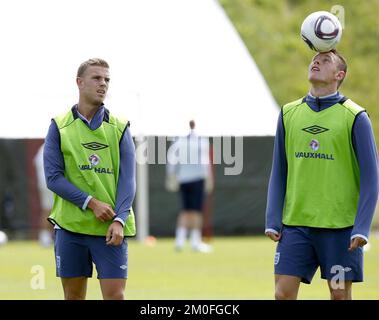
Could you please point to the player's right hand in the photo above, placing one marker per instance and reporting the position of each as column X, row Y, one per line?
column 273, row 236
column 103, row 211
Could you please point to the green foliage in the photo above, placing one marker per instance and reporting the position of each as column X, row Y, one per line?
column 271, row 32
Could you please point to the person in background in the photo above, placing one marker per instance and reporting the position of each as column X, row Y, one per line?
column 189, row 171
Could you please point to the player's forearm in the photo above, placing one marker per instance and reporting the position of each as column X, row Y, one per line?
column 54, row 170
column 275, row 201
column 126, row 187
column 365, row 149
column 278, row 181
column 123, row 206
column 63, row 188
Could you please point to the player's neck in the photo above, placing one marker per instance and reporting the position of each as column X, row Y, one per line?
column 87, row 110
column 322, row 91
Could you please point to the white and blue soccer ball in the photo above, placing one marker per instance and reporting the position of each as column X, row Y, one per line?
column 321, row 31
column 3, row 238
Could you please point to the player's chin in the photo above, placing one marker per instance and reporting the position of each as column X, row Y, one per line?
column 312, row 76
column 314, row 79
column 98, row 100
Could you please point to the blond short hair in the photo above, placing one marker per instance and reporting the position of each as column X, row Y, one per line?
column 91, row 62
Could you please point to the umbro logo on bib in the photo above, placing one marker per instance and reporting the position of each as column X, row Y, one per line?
column 315, row 129
column 94, row 145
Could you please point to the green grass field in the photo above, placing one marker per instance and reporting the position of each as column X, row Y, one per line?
column 239, row 268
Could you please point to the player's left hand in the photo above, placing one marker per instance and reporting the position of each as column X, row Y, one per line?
column 115, row 234
column 357, row 242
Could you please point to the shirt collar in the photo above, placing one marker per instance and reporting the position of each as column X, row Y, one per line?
column 324, row 97
column 99, row 113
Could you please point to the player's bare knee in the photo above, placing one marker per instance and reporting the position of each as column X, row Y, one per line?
column 74, row 296
column 281, row 294
column 114, row 295
column 339, row 295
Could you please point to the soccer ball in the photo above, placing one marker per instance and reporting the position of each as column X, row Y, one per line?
column 3, row 238
column 321, row 31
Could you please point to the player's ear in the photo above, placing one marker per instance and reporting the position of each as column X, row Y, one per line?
column 340, row 75
column 79, row 82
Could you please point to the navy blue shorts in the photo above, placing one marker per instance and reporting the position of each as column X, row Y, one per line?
column 301, row 250
column 75, row 253
column 192, row 195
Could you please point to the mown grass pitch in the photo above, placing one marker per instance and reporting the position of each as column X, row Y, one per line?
column 239, row 268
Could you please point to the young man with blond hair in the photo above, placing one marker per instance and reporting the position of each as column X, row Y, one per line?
column 89, row 161
column 324, row 185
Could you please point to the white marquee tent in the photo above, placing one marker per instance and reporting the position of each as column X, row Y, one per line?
column 171, row 61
